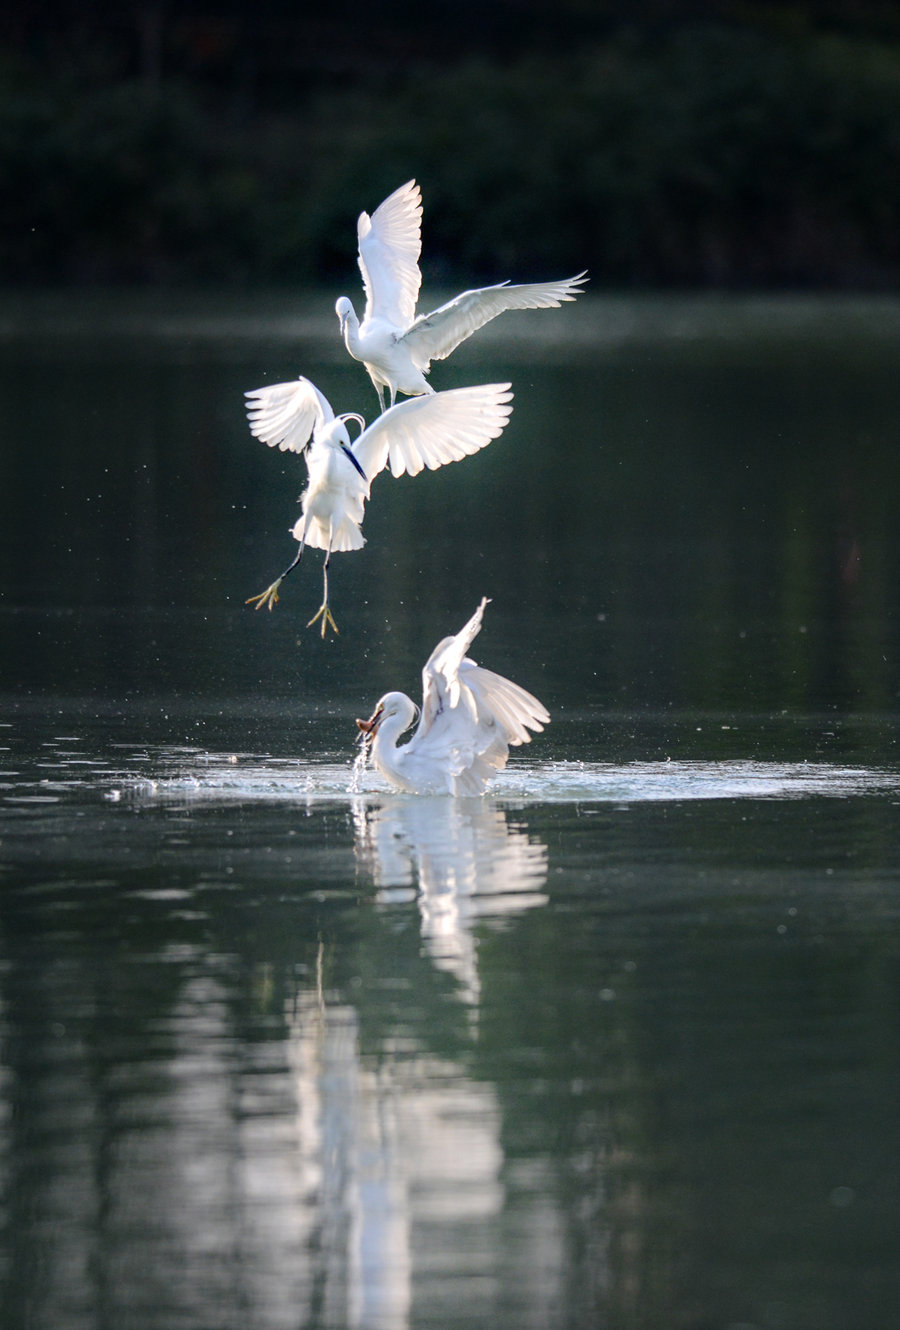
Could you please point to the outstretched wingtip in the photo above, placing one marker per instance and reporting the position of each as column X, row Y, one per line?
column 473, row 627
column 573, row 287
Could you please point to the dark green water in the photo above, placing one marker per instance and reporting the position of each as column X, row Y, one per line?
column 614, row 1047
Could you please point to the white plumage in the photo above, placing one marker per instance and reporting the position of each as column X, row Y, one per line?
column 422, row 432
column 470, row 718
column 395, row 346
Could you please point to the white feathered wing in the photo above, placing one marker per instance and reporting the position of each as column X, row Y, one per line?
column 436, row 335
column 431, row 431
column 390, row 242
column 284, row 415
column 470, row 717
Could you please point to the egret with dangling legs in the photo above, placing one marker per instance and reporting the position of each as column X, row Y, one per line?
column 421, row 432
column 395, row 345
column 469, row 719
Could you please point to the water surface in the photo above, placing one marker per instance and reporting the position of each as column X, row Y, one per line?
column 614, row 1046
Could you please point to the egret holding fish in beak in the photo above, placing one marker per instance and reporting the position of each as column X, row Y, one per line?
column 469, row 719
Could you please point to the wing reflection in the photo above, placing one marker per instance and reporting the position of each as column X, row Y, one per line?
column 399, row 1152
column 391, row 1154
column 464, row 861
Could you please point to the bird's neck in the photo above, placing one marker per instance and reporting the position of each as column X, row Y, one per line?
column 385, row 753
column 351, row 333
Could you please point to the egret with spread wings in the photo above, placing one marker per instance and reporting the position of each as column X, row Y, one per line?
column 422, row 432
column 469, row 719
column 395, row 345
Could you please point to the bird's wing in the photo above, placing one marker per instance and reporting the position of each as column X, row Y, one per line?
column 284, row 415
column 433, row 336
column 434, row 429
column 390, row 242
column 502, row 704
column 470, row 716
column 472, row 739
column 440, row 673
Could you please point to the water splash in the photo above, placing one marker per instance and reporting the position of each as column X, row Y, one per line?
column 360, row 763
column 217, row 778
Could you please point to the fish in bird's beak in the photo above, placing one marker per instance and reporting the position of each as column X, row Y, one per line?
column 371, row 725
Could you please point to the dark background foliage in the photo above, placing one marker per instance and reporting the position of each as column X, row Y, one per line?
column 733, row 145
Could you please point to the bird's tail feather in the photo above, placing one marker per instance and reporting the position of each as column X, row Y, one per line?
column 347, row 535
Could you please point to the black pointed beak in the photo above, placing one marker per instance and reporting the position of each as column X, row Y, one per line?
column 351, row 457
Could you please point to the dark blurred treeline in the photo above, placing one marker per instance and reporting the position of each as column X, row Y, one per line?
column 662, row 144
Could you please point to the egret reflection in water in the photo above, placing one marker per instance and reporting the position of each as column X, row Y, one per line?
column 387, row 1151
column 462, row 859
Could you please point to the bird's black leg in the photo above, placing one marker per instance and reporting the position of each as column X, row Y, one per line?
column 269, row 597
column 323, row 612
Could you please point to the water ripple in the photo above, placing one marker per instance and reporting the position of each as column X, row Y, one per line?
column 244, row 779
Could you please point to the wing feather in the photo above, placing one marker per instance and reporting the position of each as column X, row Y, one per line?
column 434, row 336
column 470, row 718
column 440, row 673
column 390, row 242
column 284, row 415
column 504, row 703
column 434, row 429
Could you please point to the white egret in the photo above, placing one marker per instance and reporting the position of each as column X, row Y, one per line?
column 422, row 432
column 395, row 346
column 469, row 719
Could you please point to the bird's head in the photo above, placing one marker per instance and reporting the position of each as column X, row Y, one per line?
column 335, row 432
column 391, row 705
column 343, row 309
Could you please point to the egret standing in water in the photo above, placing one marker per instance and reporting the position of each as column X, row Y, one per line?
column 395, row 346
column 469, row 719
column 423, row 432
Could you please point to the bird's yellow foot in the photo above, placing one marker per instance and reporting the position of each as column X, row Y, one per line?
column 268, row 597
column 324, row 613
